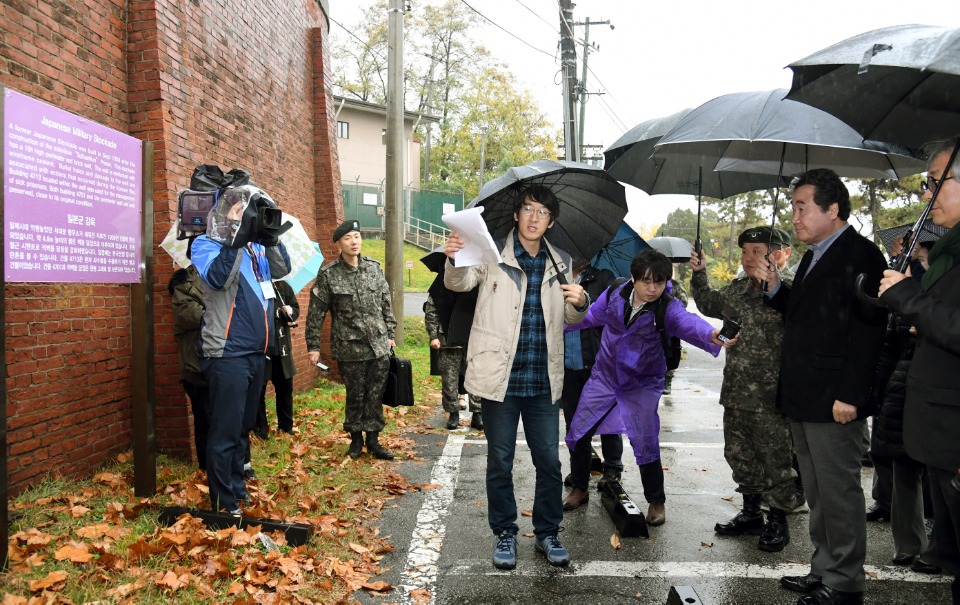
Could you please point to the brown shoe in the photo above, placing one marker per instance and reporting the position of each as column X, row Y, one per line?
column 656, row 514
column 577, row 498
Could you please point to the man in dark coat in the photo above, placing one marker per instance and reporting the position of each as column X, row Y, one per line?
column 830, row 346
column 931, row 417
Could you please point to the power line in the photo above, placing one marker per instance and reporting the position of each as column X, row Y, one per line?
column 616, row 117
column 370, row 48
column 498, row 26
column 537, row 15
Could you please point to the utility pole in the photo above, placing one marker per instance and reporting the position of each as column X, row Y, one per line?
column 393, row 202
column 583, row 79
column 568, row 62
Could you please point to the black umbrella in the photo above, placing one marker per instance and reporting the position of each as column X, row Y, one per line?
column 592, row 203
column 630, row 161
column 930, row 232
column 760, row 132
column 899, row 84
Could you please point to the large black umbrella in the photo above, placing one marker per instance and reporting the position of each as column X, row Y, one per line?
column 592, row 203
column 760, row 132
column 630, row 160
column 899, row 84
column 763, row 133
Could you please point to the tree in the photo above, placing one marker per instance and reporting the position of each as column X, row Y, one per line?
column 449, row 74
column 517, row 132
column 361, row 58
column 888, row 202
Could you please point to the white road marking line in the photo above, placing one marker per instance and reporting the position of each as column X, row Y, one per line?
column 675, row 445
column 685, row 569
column 424, row 551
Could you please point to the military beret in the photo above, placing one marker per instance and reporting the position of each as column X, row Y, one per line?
column 762, row 235
column 785, row 236
column 345, row 228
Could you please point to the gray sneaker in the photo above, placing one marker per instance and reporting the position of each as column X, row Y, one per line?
column 505, row 551
column 555, row 552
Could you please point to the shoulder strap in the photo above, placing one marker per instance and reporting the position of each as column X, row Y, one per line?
column 658, row 318
column 616, row 284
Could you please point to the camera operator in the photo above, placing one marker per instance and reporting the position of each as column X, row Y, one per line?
column 236, row 270
column 280, row 368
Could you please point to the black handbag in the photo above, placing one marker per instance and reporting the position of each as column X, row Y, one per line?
column 399, row 387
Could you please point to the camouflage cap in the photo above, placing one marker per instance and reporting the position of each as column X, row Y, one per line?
column 762, row 235
column 345, row 228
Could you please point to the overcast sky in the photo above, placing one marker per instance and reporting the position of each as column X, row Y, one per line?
column 664, row 56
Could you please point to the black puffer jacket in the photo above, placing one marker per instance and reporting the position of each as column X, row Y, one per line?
column 887, row 439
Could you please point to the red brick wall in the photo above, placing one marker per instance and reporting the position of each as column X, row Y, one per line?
column 237, row 83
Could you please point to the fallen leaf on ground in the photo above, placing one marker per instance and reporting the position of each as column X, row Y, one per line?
column 55, row 580
column 76, row 552
column 527, row 513
column 615, row 540
column 706, row 544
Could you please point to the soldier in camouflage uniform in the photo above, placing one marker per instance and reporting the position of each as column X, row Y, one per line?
column 680, row 293
column 355, row 292
column 758, row 446
column 452, row 365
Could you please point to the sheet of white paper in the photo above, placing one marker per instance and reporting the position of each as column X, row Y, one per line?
column 478, row 248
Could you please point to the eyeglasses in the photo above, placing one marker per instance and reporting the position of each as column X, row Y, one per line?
column 932, row 184
column 527, row 210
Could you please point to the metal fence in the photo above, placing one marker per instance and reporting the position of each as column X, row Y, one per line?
column 422, row 210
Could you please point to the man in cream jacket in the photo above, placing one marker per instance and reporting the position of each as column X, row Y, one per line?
column 515, row 365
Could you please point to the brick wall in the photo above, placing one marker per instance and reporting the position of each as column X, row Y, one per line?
column 237, row 83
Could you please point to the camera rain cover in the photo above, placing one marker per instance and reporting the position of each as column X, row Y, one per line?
column 229, row 221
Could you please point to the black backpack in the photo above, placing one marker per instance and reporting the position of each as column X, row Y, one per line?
column 671, row 346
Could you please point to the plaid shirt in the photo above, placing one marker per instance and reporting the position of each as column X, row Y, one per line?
column 529, row 376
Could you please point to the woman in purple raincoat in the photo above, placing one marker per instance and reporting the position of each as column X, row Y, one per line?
column 624, row 390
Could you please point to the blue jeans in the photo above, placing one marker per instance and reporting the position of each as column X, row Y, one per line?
column 234, row 384
column 541, row 426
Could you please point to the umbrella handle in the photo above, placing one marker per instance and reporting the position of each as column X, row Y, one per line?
column 861, row 294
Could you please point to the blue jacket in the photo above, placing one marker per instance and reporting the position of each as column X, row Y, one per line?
column 238, row 318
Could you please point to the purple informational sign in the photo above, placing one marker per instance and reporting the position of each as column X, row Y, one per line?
column 72, row 196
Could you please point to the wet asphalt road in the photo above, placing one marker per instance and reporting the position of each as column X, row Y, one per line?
column 443, row 543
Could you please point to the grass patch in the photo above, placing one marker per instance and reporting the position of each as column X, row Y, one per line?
column 417, row 279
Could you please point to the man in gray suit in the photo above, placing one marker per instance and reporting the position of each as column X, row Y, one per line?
column 830, row 346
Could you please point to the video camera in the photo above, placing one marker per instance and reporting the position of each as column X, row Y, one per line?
column 229, row 209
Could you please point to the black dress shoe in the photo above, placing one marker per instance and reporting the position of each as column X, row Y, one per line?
column 923, row 567
column 878, row 513
column 901, row 559
column 831, row 596
column 805, row 584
